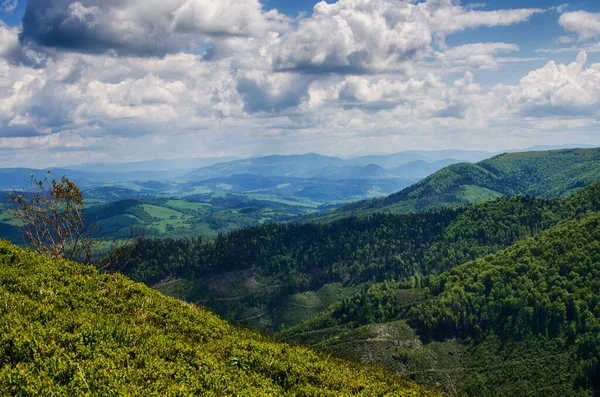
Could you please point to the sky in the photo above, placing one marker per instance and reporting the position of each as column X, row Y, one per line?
column 131, row 80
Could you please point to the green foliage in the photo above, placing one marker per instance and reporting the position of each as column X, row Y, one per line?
column 65, row 329
column 548, row 285
column 527, row 314
column 353, row 251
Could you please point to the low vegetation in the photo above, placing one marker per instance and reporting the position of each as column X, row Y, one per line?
column 65, row 329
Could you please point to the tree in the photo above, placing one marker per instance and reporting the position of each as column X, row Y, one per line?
column 52, row 213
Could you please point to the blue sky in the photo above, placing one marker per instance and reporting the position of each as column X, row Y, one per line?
column 123, row 81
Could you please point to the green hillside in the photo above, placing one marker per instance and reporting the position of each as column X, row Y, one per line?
column 67, row 330
column 258, row 275
column 543, row 174
column 523, row 321
column 367, row 273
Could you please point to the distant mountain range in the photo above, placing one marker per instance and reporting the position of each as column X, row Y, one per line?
column 406, row 166
column 543, row 174
column 152, row 165
column 400, row 165
column 409, row 166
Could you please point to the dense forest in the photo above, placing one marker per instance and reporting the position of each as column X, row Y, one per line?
column 356, row 250
column 498, row 297
column 536, row 299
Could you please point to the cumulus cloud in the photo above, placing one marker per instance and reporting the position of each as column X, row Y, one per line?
column 560, row 89
column 149, row 27
column 262, row 91
column 188, row 77
column 364, row 90
column 359, row 36
column 585, row 24
column 14, row 52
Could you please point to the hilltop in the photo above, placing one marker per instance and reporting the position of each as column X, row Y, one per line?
column 543, row 174
column 65, row 329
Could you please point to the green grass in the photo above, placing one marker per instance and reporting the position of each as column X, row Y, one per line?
column 294, row 201
column 547, row 175
column 474, row 194
column 201, row 190
column 162, row 212
column 66, row 330
column 303, row 306
column 118, row 221
column 188, row 205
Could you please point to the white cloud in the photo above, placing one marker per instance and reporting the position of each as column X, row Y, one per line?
column 561, row 86
column 585, row 24
column 148, row 27
column 359, row 36
column 365, row 90
column 10, row 5
column 367, row 74
column 475, row 56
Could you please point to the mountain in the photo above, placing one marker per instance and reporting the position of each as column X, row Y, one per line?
column 553, row 147
column 11, row 178
column 285, row 259
column 313, row 165
column 420, row 169
column 151, row 165
column 68, row 330
column 389, row 160
column 290, row 166
column 398, row 159
column 522, row 321
column 543, row 174
column 307, row 166
column 370, row 171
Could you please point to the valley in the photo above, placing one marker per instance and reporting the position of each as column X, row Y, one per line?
column 471, row 281
column 223, row 196
column 370, row 287
column 310, row 198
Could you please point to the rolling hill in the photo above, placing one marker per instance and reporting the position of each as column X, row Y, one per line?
column 261, row 271
column 543, row 174
column 65, row 329
column 369, row 271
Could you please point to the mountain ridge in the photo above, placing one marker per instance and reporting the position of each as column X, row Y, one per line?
column 542, row 174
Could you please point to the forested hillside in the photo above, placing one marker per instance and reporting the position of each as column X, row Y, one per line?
column 65, row 329
column 543, row 174
column 250, row 274
column 523, row 321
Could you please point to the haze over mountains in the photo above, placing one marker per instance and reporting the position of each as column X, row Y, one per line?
column 410, row 166
column 461, row 281
column 543, row 174
column 406, row 165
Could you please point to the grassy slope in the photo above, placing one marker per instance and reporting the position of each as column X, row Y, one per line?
column 181, row 218
column 541, row 174
column 67, row 330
